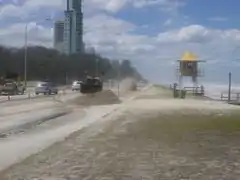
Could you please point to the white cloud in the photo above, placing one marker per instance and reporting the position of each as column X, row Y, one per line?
column 199, row 34
column 29, row 7
column 193, row 33
column 14, row 35
column 108, row 5
column 112, row 37
column 33, row 6
column 117, row 5
column 103, row 24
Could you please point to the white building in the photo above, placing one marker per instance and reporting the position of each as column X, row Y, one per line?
column 58, row 43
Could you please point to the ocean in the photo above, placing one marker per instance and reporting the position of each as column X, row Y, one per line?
column 214, row 91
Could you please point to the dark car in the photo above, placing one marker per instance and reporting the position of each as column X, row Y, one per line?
column 12, row 88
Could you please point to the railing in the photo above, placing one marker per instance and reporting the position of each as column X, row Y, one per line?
column 196, row 91
column 234, row 96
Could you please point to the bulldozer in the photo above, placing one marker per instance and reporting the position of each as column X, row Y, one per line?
column 91, row 85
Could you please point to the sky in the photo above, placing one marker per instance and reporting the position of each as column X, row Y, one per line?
column 153, row 34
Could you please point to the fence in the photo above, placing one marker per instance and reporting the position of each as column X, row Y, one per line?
column 195, row 91
column 234, row 96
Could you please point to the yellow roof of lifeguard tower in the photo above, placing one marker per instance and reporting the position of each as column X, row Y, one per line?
column 189, row 56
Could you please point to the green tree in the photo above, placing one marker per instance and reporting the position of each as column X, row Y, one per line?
column 47, row 63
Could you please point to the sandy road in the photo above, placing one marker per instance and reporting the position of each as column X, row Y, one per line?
column 40, row 122
column 25, row 119
column 146, row 138
column 28, row 96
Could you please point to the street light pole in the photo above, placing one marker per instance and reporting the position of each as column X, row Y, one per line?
column 229, row 86
column 96, row 68
column 25, row 55
column 119, row 75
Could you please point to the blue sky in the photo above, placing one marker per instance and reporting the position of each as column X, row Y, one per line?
column 151, row 33
column 201, row 11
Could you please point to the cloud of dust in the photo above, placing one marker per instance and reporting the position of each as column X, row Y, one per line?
column 128, row 84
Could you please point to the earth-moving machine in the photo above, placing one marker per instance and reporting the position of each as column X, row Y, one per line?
column 91, row 85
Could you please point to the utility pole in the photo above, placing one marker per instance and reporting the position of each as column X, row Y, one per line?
column 25, row 55
column 119, row 75
column 229, row 86
column 96, row 66
column 66, row 78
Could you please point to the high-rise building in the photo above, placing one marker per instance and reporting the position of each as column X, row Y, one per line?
column 58, row 43
column 70, row 32
column 73, row 27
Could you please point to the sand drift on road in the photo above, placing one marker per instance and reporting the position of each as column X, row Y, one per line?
column 146, row 138
column 39, row 123
column 100, row 98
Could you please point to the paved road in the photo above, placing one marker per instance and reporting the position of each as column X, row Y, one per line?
column 38, row 123
column 30, row 94
column 145, row 141
column 28, row 125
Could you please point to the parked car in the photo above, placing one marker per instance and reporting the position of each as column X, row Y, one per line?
column 46, row 88
column 76, row 85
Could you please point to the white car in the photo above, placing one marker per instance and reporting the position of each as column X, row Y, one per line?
column 46, row 88
column 76, row 85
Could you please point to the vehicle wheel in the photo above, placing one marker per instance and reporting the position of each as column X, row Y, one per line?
column 37, row 93
column 56, row 92
column 49, row 93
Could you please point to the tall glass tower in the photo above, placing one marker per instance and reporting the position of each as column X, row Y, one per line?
column 73, row 27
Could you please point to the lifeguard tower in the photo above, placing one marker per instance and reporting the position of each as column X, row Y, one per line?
column 188, row 66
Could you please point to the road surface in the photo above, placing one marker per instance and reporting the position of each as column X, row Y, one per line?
column 148, row 136
column 29, row 125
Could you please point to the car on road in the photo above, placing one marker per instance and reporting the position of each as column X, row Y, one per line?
column 76, row 85
column 46, row 88
column 11, row 87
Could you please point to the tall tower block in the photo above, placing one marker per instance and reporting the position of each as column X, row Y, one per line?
column 73, row 27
